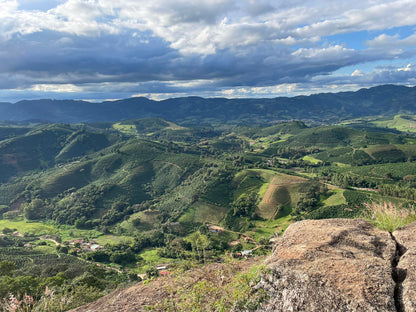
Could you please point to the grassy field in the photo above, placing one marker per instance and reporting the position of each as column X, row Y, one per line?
column 337, row 198
column 265, row 229
column 202, row 212
column 312, row 159
column 205, row 212
column 399, row 122
column 37, row 229
column 150, row 259
column 127, row 129
column 34, row 228
column 252, row 180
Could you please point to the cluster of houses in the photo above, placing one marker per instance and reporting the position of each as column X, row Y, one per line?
column 243, row 253
column 85, row 245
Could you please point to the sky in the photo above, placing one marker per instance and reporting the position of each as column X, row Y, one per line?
column 104, row 49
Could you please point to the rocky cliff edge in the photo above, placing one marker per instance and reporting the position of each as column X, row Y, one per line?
column 341, row 265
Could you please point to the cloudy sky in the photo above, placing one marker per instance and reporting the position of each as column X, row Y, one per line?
column 106, row 49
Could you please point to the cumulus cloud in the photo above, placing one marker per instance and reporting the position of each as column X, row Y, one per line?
column 204, row 47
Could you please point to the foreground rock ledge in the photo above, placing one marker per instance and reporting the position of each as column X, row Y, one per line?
column 332, row 265
column 406, row 267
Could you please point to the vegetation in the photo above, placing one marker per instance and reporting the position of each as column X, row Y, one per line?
column 216, row 292
column 89, row 208
column 389, row 217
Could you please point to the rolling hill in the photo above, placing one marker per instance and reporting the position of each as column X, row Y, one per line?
column 117, row 199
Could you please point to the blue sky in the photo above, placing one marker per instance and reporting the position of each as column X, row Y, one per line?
column 104, row 49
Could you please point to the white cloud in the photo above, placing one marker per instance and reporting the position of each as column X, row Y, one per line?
column 327, row 53
column 8, row 7
column 205, row 26
column 383, row 40
column 357, row 73
column 408, row 68
column 56, row 88
column 246, row 46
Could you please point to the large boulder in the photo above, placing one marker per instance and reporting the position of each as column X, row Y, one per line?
column 406, row 267
column 331, row 265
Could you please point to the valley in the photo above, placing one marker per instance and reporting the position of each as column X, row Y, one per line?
column 88, row 208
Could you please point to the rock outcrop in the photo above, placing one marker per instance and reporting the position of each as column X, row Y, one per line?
column 341, row 265
column 406, row 268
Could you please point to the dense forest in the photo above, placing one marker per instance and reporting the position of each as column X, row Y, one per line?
column 87, row 208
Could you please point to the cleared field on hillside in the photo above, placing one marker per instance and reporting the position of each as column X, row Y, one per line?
column 205, row 212
column 281, row 192
column 127, row 129
column 337, row 198
column 311, row 159
column 399, row 122
column 202, row 212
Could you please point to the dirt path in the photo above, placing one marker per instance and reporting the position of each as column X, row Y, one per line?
column 106, row 267
column 53, row 241
column 169, row 163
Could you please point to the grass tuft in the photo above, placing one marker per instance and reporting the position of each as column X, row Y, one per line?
column 387, row 216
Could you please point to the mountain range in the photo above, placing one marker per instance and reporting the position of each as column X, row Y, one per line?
column 325, row 107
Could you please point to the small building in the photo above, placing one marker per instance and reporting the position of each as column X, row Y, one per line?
column 247, row 253
column 215, row 229
column 96, row 247
column 165, row 273
column 162, row 267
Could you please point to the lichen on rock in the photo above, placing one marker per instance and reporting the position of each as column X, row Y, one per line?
column 406, row 268
column 331, row 265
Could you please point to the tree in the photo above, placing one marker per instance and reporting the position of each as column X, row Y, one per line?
column 7, row 230
column 152, row 272
column 193, row 238
column 204, row 241
column 244, row 206
column 62, row 249
column 6, row 267
column 34, row 210
column 199, row 241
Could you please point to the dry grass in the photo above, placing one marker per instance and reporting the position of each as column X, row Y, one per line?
column 387, row 216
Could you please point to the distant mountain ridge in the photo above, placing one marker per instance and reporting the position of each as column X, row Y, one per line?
column 380, row 100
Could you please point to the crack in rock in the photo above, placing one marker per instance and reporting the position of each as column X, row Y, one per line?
column 398, row 275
